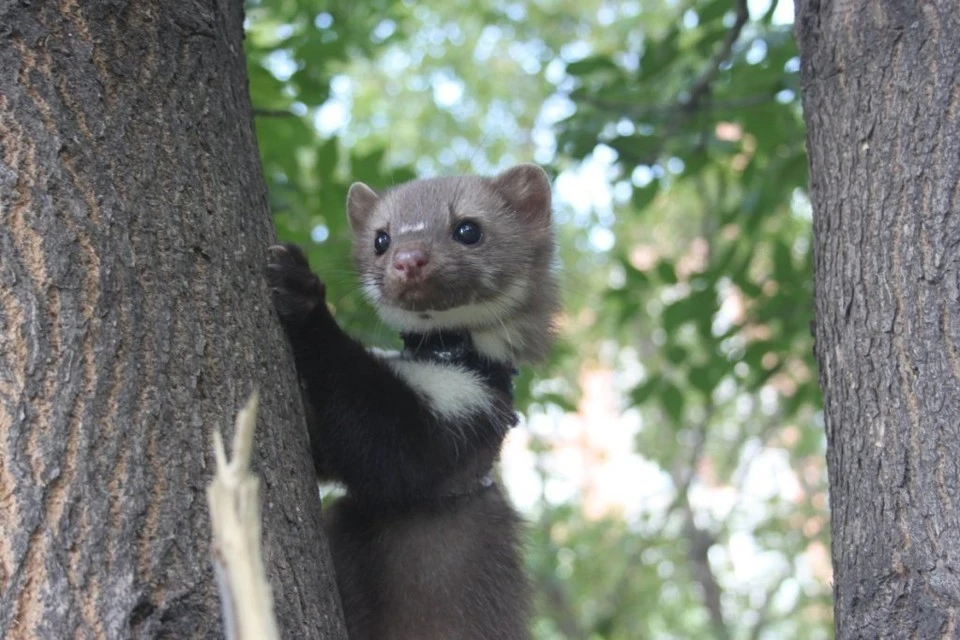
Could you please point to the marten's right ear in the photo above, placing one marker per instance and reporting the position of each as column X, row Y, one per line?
column 526, row 189
column 361, row 201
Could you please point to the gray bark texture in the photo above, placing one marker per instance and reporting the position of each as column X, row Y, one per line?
column 881, row 83
column 134, row 320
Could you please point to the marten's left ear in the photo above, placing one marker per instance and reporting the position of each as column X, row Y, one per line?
column 361, row 201
column 526, row 188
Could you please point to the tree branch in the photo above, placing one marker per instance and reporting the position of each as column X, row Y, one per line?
column 556, row 593
column 565, row 616
column 683, row 475
column 686, row 106
column 701, row 86
column 763, row 615
column 636, row 111
column 274, row 113
column 234, row 500
column 699, row 539
column 700, row 542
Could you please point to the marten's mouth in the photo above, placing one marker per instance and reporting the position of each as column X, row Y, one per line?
column 420, row 305
column 418, row 298
column 452, row 307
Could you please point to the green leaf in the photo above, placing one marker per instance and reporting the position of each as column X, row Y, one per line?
column 695, row 164
column 666, row 272
column 637, row 149
column 266, row 92
column 676, row 314
column 366, row 168
column 637, row 280
column 642, row 197
column 591, row 64
column 714, row 10
column 704, row 379
column 676, row 354
column 782, row 262
column 643, row 392
column 326, row 159
column 753, row 354
column 706, row 45
column 672, row 400
column 658, row 55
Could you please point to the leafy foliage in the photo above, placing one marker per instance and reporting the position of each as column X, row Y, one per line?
column 692, row 502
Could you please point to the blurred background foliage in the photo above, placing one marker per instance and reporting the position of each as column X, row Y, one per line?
column 671, row 456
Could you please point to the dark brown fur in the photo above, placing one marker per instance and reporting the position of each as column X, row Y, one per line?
column 453, row 571
column 425, row 546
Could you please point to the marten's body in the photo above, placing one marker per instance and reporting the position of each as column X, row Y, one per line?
column 425, row 545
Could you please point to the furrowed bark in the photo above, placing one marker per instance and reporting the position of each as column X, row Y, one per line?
column 881, row 85
column 134, row 319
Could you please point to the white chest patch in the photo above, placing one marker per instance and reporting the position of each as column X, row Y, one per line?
column 500, row 344
column 450, row 391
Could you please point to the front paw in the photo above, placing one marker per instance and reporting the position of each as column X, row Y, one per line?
column 296, row 291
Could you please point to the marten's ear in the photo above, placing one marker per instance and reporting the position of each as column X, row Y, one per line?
column 526, row 188
column 361, row 201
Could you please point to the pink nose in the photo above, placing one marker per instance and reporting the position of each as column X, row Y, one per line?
column 410, row 262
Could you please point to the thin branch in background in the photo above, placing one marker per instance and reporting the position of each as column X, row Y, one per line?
column 741, row 461
column 641, row 111
column 617, row 599
column 701, row 86
column 695, row 98
column 711, row 206
column 699, row 539
column 274, row 113
column 700, row 542
column 565, row 616
column 700, row 89
column 683, row 476
column 763, row 618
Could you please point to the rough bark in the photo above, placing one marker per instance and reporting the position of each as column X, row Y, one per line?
column 881, row 83
column 134, row 320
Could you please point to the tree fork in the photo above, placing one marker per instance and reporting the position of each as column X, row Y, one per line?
column 881, row 85
column 134, row 319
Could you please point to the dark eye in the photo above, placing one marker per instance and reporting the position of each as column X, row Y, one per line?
column 381, row 243
column 467, row 233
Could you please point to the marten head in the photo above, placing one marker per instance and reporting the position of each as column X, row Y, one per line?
column 461, row 253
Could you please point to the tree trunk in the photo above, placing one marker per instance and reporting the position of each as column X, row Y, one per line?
column 134, row 320
column 881, row 83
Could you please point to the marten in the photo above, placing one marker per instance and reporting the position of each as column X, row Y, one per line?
column 425, row 544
